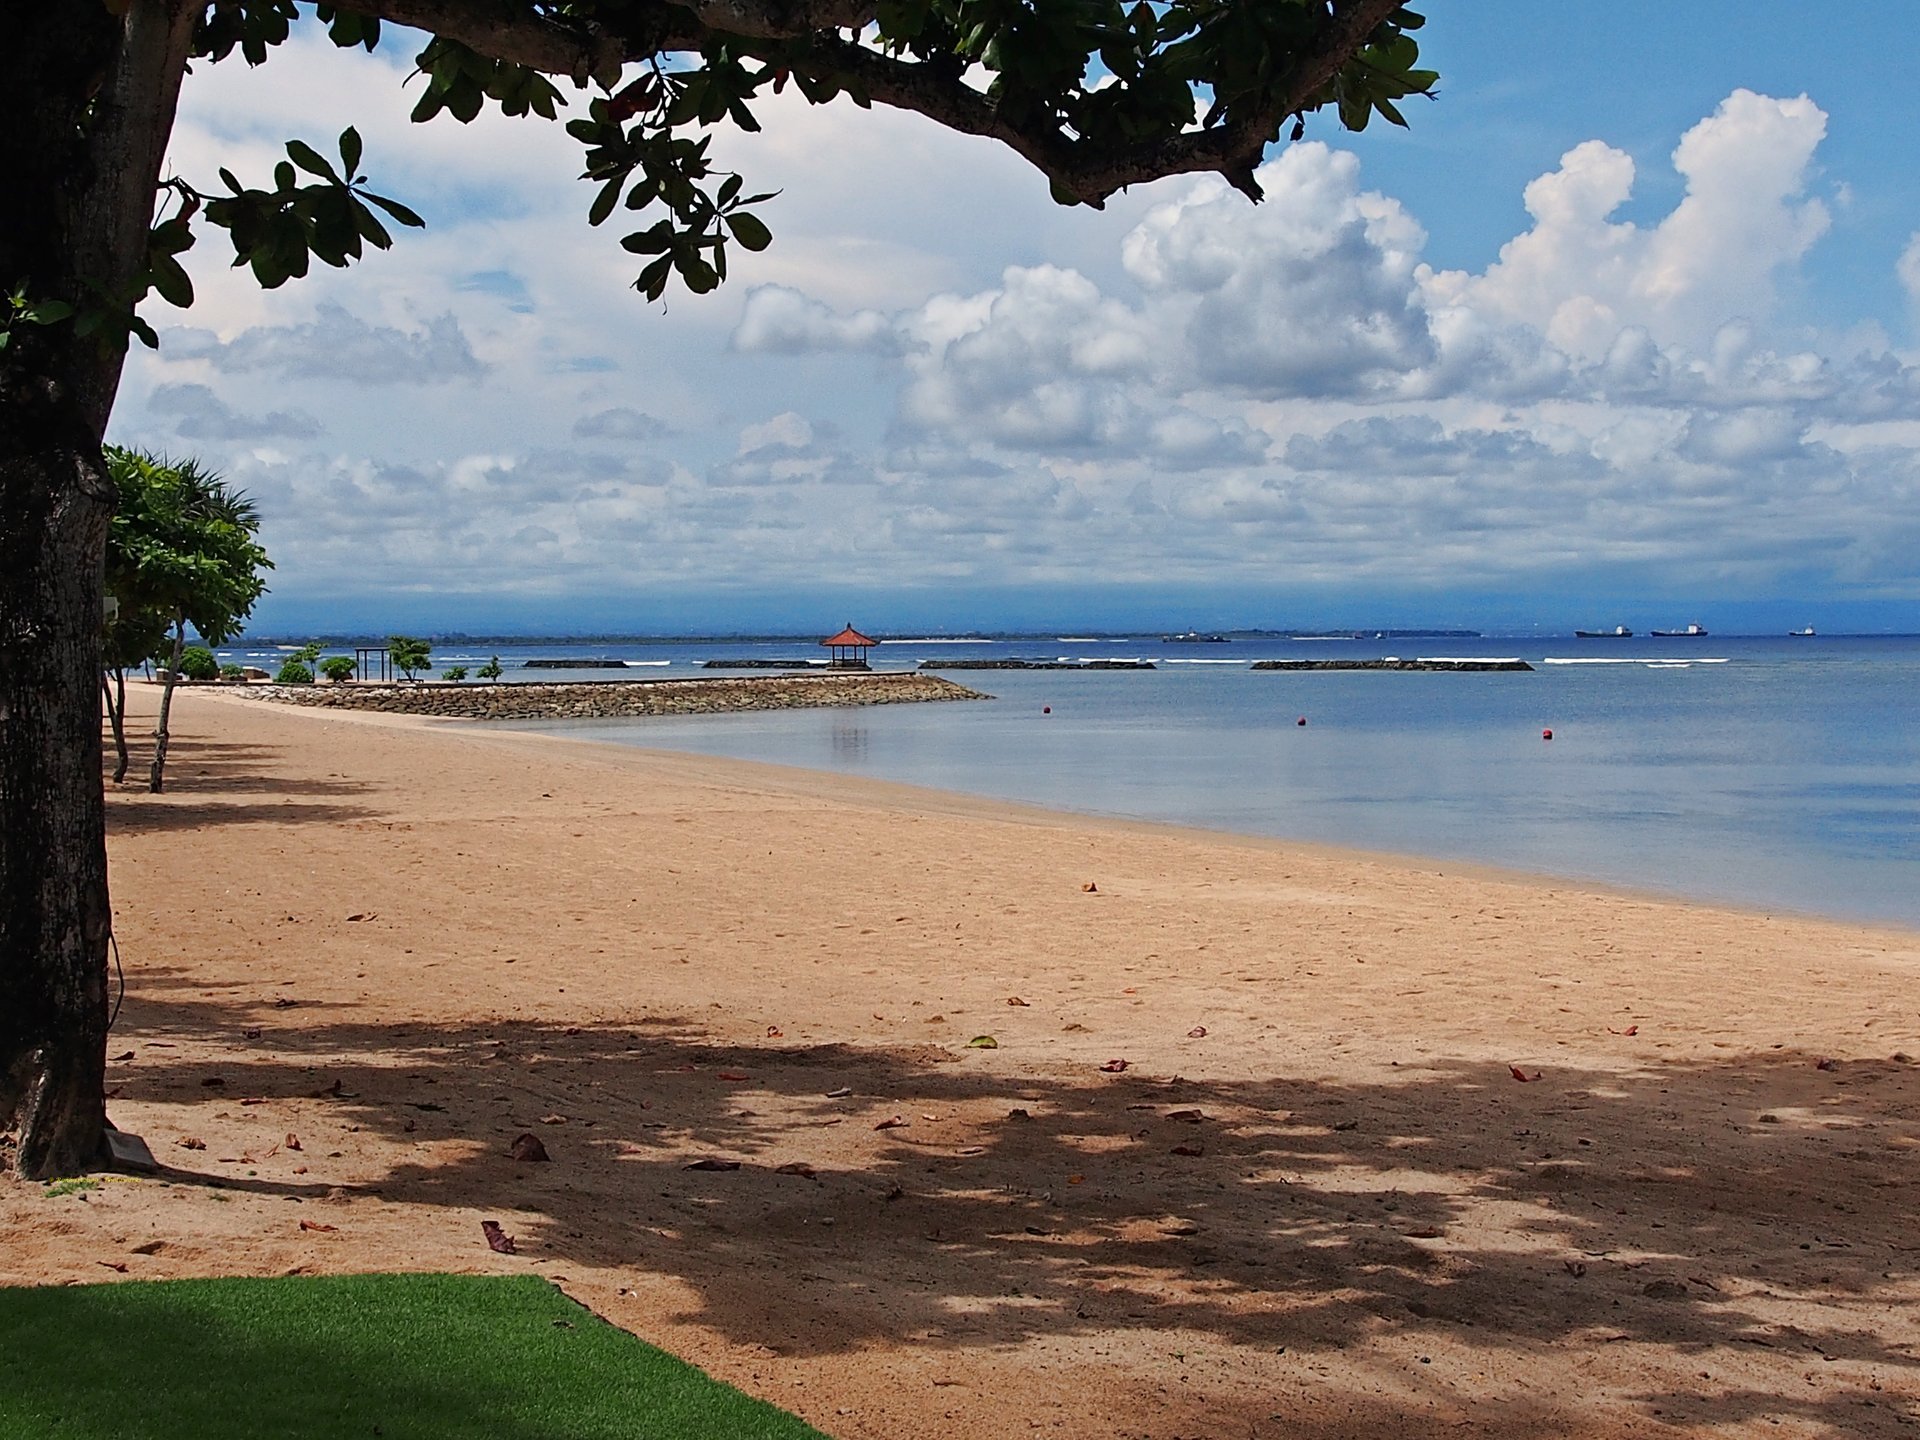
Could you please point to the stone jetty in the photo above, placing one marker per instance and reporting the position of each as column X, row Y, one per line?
column 613, row 699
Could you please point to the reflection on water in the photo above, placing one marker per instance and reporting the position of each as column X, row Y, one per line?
column 850, row 745
column 1782, row 778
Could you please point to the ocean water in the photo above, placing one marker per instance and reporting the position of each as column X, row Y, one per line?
column 1777, row 773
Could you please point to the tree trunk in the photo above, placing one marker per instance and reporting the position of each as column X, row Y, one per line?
column 53, row 855
column 86, row 104
column 114, row 687
column 157, row 772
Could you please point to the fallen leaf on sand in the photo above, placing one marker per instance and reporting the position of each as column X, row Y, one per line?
column 712, row 1162
column 732, row 1074
column 362, row 915
column 293, row 1141
column 1114, row 1067
column 1346, row 1125
column 1190, row 1117
column 983, row 1042
column 1130, row 990
column 553, row 1119
column 129, row 1054
column 841, row 1093
column 214, row 1082
column 254, row 1100
column 1190, row 1149
column 1011, row 1000
column 892, row 1122
column 1076, row 1179
column 1826, row 1064
column 1576, row 1268
column 774, row 1032
column 497, row 1239
column 191, row 1142
column 1425, row 1232
column 1199, row 1032
column 1630, row 1030
column 526, row 1147
column 318, row 1225
column 333, row 1092
column 796, row 1167
column 149, row 1247
column 1090, row 888
column 119, row 1265
column 1519, row 1074
column 1019, row 1112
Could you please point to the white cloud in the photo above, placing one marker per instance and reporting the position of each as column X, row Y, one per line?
column 1580, row 278
column 1186, row 388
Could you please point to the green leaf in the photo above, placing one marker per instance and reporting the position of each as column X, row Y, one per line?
column 350, row 150
column 605, row 201
column 310, row 160
column 983, row 1042
column 395, row 209
column 750, row 231
column 170, row 282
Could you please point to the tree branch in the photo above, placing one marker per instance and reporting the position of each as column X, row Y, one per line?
column 1091, row 172
column 510, row 30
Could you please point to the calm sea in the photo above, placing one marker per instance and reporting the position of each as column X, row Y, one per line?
column 1771, row 772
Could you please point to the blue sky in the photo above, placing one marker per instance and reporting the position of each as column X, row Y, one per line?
column 1627, row 329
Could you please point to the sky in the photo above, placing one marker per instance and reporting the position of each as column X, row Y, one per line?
column 1624, row 329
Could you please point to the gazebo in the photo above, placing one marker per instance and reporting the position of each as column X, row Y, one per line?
column 849, row 649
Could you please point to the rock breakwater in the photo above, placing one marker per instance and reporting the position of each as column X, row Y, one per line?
column 613, row 699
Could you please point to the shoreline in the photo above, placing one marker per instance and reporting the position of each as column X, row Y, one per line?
column 1394, row 1151
column 814, row 781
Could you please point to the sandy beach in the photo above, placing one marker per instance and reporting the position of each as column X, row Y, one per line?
column 1397, row 1148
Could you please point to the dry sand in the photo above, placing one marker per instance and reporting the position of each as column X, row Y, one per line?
column 364, row 954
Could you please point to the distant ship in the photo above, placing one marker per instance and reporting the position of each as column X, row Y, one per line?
column 1618, row 632
column 1692, row 632
column 1802, row 634
column 1193, row 637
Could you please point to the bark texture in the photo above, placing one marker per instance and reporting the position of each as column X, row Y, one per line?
column 86, row 104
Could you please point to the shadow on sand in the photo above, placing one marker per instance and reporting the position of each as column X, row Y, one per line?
column 1276, row 1213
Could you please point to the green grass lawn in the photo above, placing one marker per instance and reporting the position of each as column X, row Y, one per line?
column 396, row 1356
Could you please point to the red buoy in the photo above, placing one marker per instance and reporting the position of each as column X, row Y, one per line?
column 1546, row 734
column 1046, row 709
column 1301, row 721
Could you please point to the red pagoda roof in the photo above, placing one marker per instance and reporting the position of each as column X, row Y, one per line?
column 848, row 636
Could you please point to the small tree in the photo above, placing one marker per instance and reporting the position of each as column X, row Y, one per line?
column 196, row 663
column 490, row 670
column 454, row 672
column 181, row 549
column 293, row 673
column 337, row 668
column 308, row 654
column 409, row 656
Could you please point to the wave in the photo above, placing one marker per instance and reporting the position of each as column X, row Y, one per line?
column 939, row 640
column 1184, row 660
column 1652, row 662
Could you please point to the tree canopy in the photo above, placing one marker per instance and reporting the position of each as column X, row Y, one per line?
column 181, row 549
column 1096, row 94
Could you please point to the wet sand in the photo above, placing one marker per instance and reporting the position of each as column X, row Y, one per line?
column 365, row 953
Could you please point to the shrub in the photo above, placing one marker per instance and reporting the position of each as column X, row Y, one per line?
column 293, row 673
column 490, row 670
column 454, row 672
column 337, row 668
column 197, row 663
column 307, row 654
column 409, row 655
column 233, row 672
